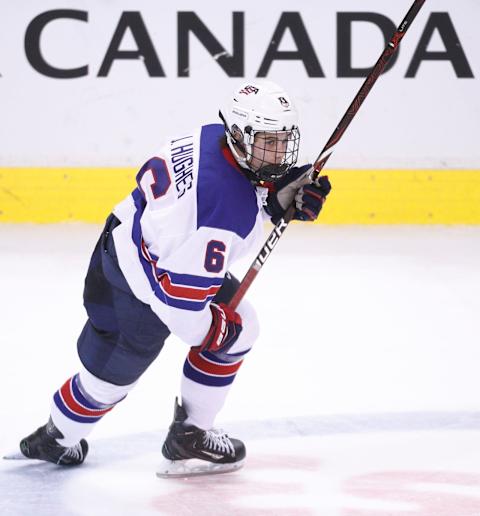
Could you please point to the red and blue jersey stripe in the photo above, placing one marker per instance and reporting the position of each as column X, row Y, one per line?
column 188, row 290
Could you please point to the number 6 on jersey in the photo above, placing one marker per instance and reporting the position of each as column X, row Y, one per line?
column 214, row 258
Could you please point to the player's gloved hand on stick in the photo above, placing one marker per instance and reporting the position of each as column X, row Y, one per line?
column 297, row 185
column 224, row 330
column 310, row 198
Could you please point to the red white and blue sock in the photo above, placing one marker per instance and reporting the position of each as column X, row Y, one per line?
column 75, row 410
column 205, row 384
column 208, row 377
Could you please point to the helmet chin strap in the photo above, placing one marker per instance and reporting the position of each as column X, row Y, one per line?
column 234, row 145
column 241, row 159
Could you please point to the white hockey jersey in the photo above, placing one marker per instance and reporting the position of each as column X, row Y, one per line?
column 192, row 215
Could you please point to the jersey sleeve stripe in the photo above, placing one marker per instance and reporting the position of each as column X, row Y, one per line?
column 185, row 292
column 190, row 280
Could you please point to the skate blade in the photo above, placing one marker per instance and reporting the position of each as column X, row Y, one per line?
column 15, row 455
column 194, row 468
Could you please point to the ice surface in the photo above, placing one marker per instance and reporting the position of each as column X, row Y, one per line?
column 361, row 397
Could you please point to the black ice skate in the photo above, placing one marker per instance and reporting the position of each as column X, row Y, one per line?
column 191, row 451
column 42, row 445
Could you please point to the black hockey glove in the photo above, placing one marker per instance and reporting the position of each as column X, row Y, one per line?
column 224, row 330
column 297, row 186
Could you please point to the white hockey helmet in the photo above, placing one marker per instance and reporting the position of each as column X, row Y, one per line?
column 262, row 107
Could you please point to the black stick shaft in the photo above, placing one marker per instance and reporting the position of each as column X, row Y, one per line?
column 324, row 156
column 364, row 90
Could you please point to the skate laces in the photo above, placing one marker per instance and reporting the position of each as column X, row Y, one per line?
column 218, row 440
column 74, row 452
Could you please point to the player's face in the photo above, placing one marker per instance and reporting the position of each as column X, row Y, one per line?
column 269, row 148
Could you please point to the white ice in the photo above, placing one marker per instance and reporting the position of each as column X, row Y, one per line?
column 361, row 397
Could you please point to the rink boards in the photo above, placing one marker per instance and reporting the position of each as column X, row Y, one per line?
column 373, row 196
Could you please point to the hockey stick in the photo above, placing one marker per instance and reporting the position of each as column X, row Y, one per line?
column 323, row 157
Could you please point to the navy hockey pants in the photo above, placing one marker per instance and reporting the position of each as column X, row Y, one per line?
column 122, row 335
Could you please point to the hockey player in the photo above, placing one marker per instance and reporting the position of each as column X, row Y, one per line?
column 161, row 266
